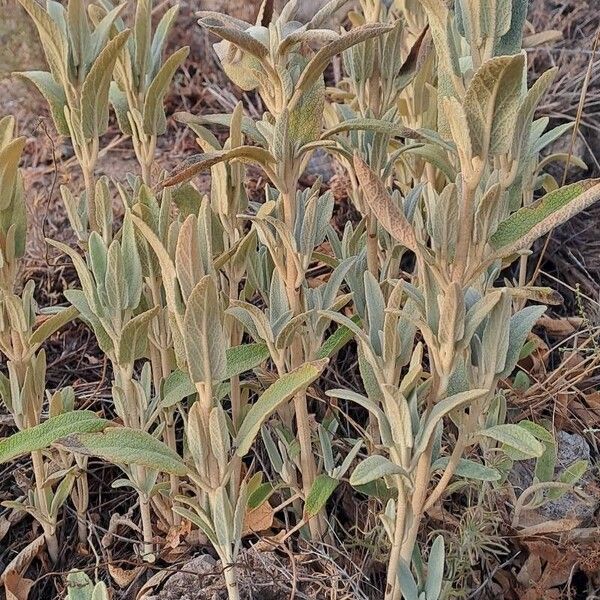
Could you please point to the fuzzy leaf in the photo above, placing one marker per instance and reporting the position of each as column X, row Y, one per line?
column 469, row 469
column 374, row 126
column 281, row 391
column 529, row 223
column 52, row 324
column 203, row 333
column 54, row 95
column 125, row 446
column 244, row 358
column 337, row 340
column 319, row 493
column 374, row 467
column 154, row 114
column 521, row 324
column 435, row 569
column 10, row 156
column 176, row 387
column 516, row 437
column 491, row 103
column 43, row 435
column 53, row 41
column 390, row 216
column 440, row 410
column 96, row 86
column 314, row 69
column 204, row 162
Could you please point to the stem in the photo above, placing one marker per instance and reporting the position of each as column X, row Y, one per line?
column 90, row 196
column 396, row 550
column 465, row 229
column 138, row 472
column 82, row 505
column 307, row 459
column 147, row 158
column 372, row 259
column 171, row 442
column 231, row 581
column 49, row 530
column 148, row 554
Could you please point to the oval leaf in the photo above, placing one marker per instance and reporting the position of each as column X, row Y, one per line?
column 283, row 389
column 43, row 435
column 125, row 446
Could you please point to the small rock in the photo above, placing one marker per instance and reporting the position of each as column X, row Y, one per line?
column 187, row 584
column 571, row 447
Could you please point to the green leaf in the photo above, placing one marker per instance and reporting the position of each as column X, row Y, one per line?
column 176, row 387
column 134, row 337
column 469, row 469
column 96, row 86
column 203, row 334
column 527, row 112
column 511, row 41
column 371, row 406
column 119, row 102
column 521, row 324
column 52, row 325
column 53, row 41
column 79, row 586
column 491, row 104
column 408, row 585
column 314, row 69
column 54, row 95
column 142, row 37
column 441, row 409
column 529, row 223
column 390, row 216
column 372, row 125
column 79, row 33
column 435, row 569
column 204, row 162
column 44, row 435
column 248, row 127
column 244, row 358
column 239, row 38
column 260, row 495
column 281, row 391
column 574, row 472
column 515, row 437
column 541, row 433
column 373, row 468
column 154, row 114
column 125, row 446
column 201, row 521
column 160, row 36
column 337, row 340
column 319, row 493
column 10, row 156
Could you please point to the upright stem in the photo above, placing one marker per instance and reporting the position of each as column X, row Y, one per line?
column 297, row 358
column 89, row 156
column 82, row 487
column 125, row 375
column 231, row 581
column 465, row 229
column 148, row 554
column 49, row 530
column 372, row 242
column 90, row 196
column 396, row 549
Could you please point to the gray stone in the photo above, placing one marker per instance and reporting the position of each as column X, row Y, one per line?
column 571, row 447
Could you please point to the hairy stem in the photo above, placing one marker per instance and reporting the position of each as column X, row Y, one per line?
column 49, row 530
